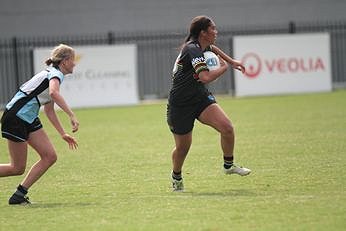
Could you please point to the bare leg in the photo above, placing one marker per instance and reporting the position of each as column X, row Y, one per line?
column 18, row 155
column 182, row 146
column 215, row 117
column 40, row 142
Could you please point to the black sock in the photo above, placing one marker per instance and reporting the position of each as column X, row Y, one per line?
column 176, row 175
column 228, row 161
column 21, row 191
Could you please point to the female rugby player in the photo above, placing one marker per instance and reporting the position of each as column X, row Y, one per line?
column 189, row 99
column 21, row 126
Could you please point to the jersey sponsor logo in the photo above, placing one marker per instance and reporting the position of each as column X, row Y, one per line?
column 197, row 60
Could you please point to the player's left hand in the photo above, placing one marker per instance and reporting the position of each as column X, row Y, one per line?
column 239, row 66
column 223, row 62
column 72, row 143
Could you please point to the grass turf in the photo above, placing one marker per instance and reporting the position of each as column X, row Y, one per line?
column 118, row 179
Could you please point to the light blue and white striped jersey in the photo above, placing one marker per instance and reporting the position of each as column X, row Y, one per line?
column 38, row 83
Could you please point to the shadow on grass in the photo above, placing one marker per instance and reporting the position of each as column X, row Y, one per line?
column 228, row 193
column 39, row 205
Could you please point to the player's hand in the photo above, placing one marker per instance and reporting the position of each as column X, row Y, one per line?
column 223, row 62
column 239, row 66
column 72, row 143
column 74, row 123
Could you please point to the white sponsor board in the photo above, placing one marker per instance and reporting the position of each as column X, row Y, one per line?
column 280, row 64
column 103, row 75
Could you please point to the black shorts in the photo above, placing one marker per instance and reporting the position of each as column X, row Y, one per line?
column 181, row 119
column 16, row 129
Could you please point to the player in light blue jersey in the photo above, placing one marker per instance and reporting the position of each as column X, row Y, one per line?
column 21, row 126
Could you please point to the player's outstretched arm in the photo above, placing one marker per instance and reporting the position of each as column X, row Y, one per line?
column 234, row 63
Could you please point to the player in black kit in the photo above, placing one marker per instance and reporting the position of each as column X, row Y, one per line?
column 189, row 99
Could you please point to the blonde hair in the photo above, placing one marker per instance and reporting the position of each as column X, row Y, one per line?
column 59, row 53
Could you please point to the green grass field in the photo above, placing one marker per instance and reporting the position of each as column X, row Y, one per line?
column 118, row 179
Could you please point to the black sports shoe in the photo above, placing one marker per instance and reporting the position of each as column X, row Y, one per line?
column 18, row 200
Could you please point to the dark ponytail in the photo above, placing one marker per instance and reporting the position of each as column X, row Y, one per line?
column 187, row 38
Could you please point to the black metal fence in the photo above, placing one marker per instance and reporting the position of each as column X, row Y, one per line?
column 157, row 53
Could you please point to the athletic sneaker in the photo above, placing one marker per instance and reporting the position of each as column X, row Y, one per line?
column 178, row 185
column 234, row 169
column 18, row 200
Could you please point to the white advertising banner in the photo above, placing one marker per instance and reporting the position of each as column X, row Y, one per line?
column 280, row 64
column 103, row 75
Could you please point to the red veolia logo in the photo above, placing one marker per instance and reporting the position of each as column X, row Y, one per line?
column 253, row 65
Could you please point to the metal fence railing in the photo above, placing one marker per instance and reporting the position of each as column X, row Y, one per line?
column 156, row 55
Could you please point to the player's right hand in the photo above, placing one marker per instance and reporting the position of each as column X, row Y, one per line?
column 74, row 123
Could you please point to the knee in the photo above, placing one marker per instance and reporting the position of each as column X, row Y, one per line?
column 50, row 159
column 227, row 129
column 19, row 170
column 182, row 150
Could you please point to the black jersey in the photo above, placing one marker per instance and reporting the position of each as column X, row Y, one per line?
column 186, row 89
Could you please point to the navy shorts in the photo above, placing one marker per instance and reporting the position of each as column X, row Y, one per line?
column 181, row 119
column 16, row 129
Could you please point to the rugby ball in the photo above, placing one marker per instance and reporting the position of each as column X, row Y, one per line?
column 212, row 60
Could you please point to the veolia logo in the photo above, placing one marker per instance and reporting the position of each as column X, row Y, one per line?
column 254, row 65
